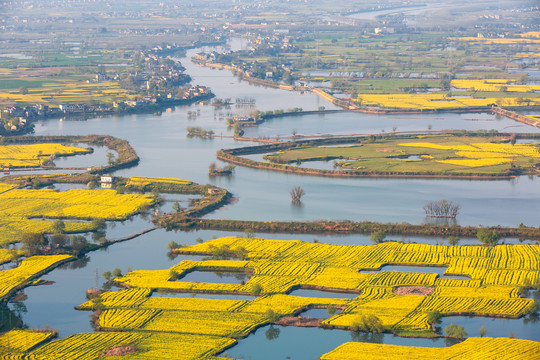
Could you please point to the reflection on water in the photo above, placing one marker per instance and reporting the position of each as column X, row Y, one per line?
column 322, row 294
column 525, row 328
column 319, row 313
column 418, row 269
column 280, row 342
column 220, row 277
column 203, row 296
column 96, row 158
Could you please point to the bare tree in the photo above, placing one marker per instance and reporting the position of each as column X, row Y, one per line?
column 296, row 194
column 442, row 209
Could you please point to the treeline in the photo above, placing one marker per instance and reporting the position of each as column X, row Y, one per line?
column 350, row 227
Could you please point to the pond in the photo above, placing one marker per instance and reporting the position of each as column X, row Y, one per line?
column 418, row 269
column 524, row 328
column 302, row 343
column 204, row 296
column 97, row 158
column 220, row 277
column 318, row 314
column 323, row 294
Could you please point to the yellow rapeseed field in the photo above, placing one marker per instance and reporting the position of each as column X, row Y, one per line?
column 472, row 348
column 22, row 340
column 152, row 323
column 502, row 41
column 482, row 154
column 27, row 270
column 492, row 85
column 33, row 155
column 68, row 93
column 436, row 101
column 17, row 206
column 278, row 266
column 139, row 181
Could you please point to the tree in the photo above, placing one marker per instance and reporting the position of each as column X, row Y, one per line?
column 107, row 275
column 199, row 240
column 456, row 331
column 271, row 315
column 177, row 207
column 173, row 245
column 116, row 272
column 36, row 183
column 99, row 224
column 92, row 184
column 78, row 243
column 445, row 84
column 453, row 240
column 370, row 323
column 483, row 331
column 32, row 243
column 110, row 158
column 434, row 317
column 58, row 240
column 488, row 237
column 59, row 227
column 377, row 237
column 23, row 90
column 249, row 233
column 296, row 194
column 256, row 289
column 442, row 209
column 331, row 310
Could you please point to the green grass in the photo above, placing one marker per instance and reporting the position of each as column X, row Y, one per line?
column 388, row 156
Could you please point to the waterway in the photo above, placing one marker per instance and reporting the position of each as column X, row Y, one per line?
column 165, row 151
column 281, row 342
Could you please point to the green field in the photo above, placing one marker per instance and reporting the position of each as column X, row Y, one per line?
column 445, row 155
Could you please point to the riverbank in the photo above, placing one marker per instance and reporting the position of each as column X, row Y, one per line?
column 346, row 227
column 99, row 111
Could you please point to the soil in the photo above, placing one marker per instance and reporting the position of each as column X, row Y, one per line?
column 119, row 351
column 299, row 321
column 414, row 290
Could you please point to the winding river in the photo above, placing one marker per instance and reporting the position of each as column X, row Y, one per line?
column 165, row 150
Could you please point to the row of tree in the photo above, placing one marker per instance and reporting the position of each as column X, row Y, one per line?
column 442, row 208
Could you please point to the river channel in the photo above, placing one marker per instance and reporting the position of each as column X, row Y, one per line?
column 166, row 151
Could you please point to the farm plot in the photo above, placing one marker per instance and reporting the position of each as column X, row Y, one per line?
column 425, row 155
column 24, row 273
column 472, row 348
column 279, row 266
column 18, row 207
column 34, row 155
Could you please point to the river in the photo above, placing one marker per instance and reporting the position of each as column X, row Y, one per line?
column 165, row 151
